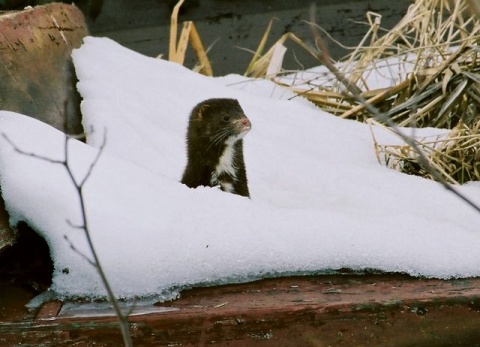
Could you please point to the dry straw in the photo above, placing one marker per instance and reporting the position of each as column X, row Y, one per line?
column 434, row 48
column 442, row 91
column 189, row 33
column 454, row 154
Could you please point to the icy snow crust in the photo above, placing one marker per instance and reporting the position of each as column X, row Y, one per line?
column 320, row 201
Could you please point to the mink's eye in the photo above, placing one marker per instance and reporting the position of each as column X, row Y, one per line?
column 226, row 118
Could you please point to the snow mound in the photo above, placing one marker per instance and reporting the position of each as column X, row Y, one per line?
column 320, row 201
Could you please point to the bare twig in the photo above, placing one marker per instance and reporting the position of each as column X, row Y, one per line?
column 324, row 56
column 80, row 253
column 30, row 154
column 79, row 186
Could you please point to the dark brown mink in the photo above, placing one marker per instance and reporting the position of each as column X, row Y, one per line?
column 215, row 146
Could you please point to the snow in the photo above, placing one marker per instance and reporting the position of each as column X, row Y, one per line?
column 319, row 199
column 379, row 73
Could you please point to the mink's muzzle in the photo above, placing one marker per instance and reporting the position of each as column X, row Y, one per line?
column 243, row 125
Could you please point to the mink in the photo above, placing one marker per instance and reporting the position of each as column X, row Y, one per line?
column 215, row 146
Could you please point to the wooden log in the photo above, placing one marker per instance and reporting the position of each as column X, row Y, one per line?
column 7, row 235
column 333, row 310
column 36, row 72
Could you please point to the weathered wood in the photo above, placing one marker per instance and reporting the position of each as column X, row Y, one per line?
column 35, row 66
column 7, row 235
column 36, row 72
column 350, row 310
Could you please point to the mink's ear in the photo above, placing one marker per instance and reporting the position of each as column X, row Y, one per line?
column 200, row 111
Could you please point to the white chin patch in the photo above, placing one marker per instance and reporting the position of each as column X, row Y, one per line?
column 230, row 141
column 242, row 134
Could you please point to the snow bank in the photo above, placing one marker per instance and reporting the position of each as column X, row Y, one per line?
column 320, row 201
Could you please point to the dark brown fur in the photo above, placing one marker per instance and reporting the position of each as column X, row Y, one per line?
column 216, row 127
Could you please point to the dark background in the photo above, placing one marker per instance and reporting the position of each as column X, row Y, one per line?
column 233, row 28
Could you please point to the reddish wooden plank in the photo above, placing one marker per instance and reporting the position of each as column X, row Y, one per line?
column 49, row 310
column 367, row 310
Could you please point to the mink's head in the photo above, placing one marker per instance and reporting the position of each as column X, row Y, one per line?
column 219, row 121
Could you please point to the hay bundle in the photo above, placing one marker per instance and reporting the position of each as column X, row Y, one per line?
column 430, row 57
column 442, row 91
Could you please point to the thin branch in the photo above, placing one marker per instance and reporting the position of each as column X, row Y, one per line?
column 94, row 162
column 75, row 226
column 132, row 307
column 122, row 319
column 324, row 57
column 76, row 250
column 30, row 154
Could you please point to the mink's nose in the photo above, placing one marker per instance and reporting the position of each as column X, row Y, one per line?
column 246, row 122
